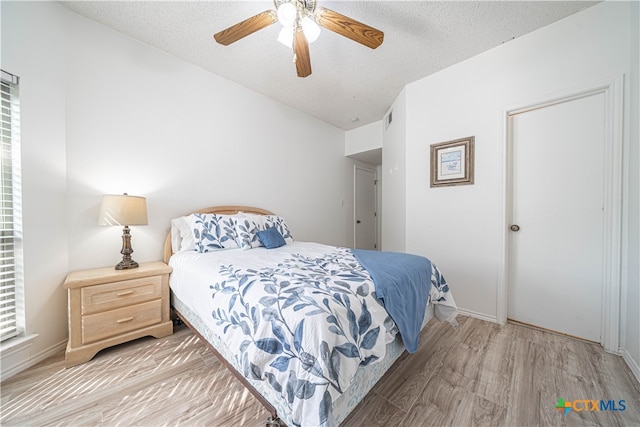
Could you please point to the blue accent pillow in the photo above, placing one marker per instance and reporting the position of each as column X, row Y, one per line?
column 271, row 238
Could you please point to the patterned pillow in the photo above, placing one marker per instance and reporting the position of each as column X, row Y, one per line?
column 247, row 227
column 214, row 232
column 249, row 224
column 279, row 223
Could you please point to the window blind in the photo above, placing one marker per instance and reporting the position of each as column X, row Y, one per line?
column 10, row 182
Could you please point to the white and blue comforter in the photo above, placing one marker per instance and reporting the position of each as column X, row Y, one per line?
column 302, row 317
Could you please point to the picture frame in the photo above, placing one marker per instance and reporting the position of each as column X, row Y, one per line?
column 452, row 162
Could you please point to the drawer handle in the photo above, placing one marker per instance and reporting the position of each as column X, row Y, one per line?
column 124, row 293
column 126, row 319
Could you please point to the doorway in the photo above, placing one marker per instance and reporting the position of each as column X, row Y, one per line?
column 562, row 218
column 365, row 215
column 556, row 231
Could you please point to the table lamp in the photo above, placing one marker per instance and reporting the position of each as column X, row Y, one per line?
column 123, row 210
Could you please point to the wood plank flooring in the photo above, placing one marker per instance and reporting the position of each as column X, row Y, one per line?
column 480, row 374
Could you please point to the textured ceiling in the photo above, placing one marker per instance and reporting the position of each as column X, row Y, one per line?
column 348, row 80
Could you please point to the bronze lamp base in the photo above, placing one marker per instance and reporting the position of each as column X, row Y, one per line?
column 126, row 251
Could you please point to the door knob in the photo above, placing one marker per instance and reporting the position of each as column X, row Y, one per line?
column 515, row 227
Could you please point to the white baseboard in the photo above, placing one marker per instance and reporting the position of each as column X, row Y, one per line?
column 633, row 364
column 477, row 315
column 18, row 359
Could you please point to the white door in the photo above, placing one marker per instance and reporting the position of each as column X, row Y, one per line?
column 557, row 194
column 365, row 208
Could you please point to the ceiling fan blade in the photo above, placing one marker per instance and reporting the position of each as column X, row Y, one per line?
column 348, row 27
column 246, row 27
column 301, row 50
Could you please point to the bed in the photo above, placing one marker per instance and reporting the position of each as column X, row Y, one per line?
column 302, row 325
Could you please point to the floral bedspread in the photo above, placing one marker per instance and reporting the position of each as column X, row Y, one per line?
column 304, row 326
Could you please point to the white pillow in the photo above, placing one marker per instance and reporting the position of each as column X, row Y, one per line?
column 182, row 235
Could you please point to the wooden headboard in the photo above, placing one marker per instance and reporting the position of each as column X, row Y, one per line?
column 227, row 210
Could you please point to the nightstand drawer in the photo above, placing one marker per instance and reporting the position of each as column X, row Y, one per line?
column 120, row 294
column 99, row 326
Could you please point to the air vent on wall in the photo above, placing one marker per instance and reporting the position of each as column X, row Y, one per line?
column 388, row 120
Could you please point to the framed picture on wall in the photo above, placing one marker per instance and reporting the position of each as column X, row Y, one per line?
column 452, row 162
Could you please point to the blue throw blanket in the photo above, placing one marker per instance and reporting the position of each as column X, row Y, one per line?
column 402, row 282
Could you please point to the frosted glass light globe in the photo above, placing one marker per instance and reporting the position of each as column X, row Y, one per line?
column 286, row 36
column 311, row 29
column 287, row 14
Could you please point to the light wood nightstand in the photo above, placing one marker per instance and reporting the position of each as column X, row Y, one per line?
column 109, row 307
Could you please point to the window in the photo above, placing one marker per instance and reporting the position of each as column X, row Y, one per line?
column 9, row 206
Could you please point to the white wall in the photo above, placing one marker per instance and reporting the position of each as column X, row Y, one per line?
column 144, row 122
column 459, row 228
column 129, row 118
column 631, row 333
column 394, row 160
column 363, row 138
column 34, row 48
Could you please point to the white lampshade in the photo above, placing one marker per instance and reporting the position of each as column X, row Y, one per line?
column 123, row 209
column 311, row 29
column 287, row 13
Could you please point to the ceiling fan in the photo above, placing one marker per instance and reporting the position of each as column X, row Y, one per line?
column 300, row 20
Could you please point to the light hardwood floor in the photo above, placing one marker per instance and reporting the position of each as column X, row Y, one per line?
column 480, row 374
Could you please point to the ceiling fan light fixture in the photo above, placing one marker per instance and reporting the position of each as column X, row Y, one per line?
column 286, row 36
column 287, row 14
column 301, row 21
column 310, row 28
